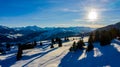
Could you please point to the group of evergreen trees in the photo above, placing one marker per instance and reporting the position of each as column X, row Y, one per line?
column 78, row 45
column 102, row 36
column 74, row 47
column 29, row 45
column 66, row 39
column 105, row 36
column 54, row 41
column 8, row 46
column 22, row 47
column 5, row 47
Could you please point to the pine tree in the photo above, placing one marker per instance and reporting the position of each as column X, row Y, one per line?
column 114, row 32
column 90, row 43
column 2, row 50
column 19, row 53
column 57, row 39
column 51, row 46
column 53, row 41
column 80, row 44
column 34, row 43
column 67, row 39
column 90, row 46
column 74, row 47
column 97, row 36
column 41, row 43
column 59, row 43
column 105, row 38
column 8, row 46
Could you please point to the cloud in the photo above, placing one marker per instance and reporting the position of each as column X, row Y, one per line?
column 70, row 10
column 84, row 20
column 95, row 25
column 78, row 20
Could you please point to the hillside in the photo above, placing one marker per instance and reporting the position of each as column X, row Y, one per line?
column 117, row 26
column 43, row 56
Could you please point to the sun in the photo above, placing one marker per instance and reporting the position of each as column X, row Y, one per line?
column 92, row 15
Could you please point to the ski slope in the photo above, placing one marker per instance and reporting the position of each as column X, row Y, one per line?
column 44, row 56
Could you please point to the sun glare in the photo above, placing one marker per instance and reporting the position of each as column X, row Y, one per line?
column 92, row 15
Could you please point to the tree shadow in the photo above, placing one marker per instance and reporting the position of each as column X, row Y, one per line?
column 12, row 60
column 8, row 62
column 43, row 46
column 36, row 56
column 110, row 57
column 70, row 59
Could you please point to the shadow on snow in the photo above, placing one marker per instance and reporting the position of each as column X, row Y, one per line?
column 38, row 56
column 12, row 59
column 110, row 57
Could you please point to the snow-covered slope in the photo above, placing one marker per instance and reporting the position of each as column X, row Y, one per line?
column 44, row 56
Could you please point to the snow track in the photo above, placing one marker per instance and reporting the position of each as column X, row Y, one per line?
column 52, row 60
column 51, row 57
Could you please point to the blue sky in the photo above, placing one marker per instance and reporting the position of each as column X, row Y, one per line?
column 58, row 13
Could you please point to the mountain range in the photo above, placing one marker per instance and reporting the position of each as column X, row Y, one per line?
column 31, row 33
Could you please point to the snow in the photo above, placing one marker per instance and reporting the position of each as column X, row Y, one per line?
column 97, row 52
column 44, row 56
column 116, row 46
column 99, row 57
column 83, row 55
column 9, row 54
column 14, row 35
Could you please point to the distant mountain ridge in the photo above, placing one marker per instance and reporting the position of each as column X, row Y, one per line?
column 31, row 33
column 33, row 28
column 4, row 29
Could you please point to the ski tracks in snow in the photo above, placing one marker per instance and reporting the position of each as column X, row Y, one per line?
column 52, row 60
column 52, row 57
